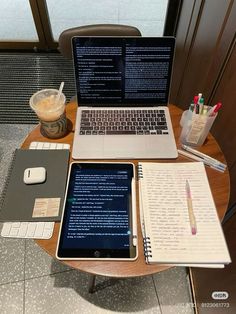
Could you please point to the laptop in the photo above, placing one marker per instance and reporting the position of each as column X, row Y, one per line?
column 122, row 91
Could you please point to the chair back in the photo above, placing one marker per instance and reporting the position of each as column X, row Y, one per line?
column 93, row 30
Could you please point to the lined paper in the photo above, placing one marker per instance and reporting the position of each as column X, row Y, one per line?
column 166, row 220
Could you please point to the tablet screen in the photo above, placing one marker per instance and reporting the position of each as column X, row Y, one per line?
column 97, row 219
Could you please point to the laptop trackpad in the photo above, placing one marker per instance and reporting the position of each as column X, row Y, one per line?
column 90, row 146
column 120, row 146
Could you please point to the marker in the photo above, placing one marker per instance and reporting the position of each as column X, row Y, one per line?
column 205, row 109
column 197, row 109
column 199, row 96
column 201, row 105
column 192, row 218
column 216, row 108
column 134, row 214
column 213, row 111
column 195, row 100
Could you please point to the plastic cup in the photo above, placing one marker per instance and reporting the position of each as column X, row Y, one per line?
column 195, row 128
column 51, row 112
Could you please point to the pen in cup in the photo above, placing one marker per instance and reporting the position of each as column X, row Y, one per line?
column 192, row 219
column 213, row 111
column 195, row 100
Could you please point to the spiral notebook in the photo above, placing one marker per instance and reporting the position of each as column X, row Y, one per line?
column 35, row 202
column 165, row 218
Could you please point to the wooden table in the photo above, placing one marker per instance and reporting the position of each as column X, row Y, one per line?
column 219, row 183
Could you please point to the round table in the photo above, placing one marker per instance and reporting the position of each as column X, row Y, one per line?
column 219, row 183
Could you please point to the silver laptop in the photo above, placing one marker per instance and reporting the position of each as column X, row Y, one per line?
column 122, row 92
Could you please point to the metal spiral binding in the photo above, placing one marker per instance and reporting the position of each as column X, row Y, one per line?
column 140, row 172
column 147, row 247
column 6, row 181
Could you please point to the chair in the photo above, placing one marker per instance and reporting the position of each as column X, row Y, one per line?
column 93, row 30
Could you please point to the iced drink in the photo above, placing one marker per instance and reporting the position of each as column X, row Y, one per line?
column 50, row 111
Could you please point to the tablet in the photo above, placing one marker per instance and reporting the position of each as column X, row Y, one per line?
column 99, row 213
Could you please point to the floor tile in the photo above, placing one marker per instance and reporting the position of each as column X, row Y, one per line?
column 12, row 250
column 11, row 260
column 12, row 298
column 39, row 263
column 14, row 133
column 68, row 293
column 11, row 137
column 173, row 291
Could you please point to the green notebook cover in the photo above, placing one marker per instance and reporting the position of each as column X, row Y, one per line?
column 35, row 202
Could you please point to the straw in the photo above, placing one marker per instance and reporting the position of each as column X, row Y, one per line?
column 59, row 92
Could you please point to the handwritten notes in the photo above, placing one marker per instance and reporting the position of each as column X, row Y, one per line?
column 165, row 219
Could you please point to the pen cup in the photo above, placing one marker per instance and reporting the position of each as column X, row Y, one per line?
column 195, row 128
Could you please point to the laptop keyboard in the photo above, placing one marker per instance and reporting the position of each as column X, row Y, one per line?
column 123, row 122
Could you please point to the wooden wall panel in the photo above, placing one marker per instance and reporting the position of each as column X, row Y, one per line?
column 224, row 128
column 200, row 49
column 183, row 41
column 205, row 62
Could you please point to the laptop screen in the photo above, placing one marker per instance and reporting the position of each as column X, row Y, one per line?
column 122, row 71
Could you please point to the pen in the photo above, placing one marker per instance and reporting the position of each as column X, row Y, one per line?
column 191, row 107
column 192, row 218
column 212, row 112
column 218, row 106
column 197, row 108
column 201, row 105
column 207, row 158
column 195, row 100
column 199, row 96
column 134, row 216
column 194, row 157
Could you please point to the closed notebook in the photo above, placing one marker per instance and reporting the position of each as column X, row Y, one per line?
column 35, row 202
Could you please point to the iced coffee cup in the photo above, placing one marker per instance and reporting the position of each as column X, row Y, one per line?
column 50, row 110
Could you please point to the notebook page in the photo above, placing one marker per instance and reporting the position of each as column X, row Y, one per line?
column 165, row 210
column 141, row 214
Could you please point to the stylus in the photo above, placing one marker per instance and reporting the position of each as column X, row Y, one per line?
column 134, row 216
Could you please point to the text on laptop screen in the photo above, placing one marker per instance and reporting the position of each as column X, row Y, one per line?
column 115, row 70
